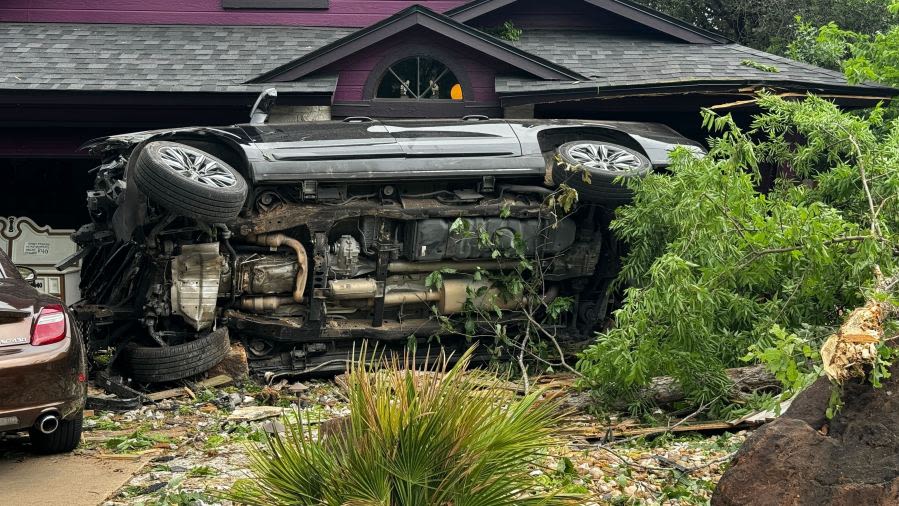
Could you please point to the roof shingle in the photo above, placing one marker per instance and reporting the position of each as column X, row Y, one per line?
column 187, row 58
column 154, row 57
column 613, row 61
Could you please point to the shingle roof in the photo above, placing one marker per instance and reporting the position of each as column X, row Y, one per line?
column 415, row 17
column 154, row 58
column 186, row 58
column 628, row 61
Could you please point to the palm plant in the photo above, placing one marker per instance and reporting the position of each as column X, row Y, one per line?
column 444, row 436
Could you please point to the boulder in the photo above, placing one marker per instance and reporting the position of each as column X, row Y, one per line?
column 801, row 459
column 234, row 365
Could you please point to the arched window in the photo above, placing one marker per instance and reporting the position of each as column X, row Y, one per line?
column 419, row 78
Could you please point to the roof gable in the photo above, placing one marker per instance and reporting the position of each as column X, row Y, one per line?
column 640, row 14
column 417, row 16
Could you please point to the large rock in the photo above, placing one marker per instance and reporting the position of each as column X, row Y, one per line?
column 801, row 460
column 234, row 365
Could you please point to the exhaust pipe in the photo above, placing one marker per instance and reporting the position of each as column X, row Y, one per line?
column 48, row 424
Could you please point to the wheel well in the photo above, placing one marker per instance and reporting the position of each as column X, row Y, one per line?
column 551, row 139
column 226, row 151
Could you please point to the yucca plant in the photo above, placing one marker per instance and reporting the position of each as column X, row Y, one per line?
column 444, row 436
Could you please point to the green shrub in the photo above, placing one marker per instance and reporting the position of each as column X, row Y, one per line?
column 446, row 436
column 714, row 264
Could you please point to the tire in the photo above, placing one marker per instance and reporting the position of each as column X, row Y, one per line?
column 64, row 439
column 154, row 364
column 605, row 186
column 168, row 173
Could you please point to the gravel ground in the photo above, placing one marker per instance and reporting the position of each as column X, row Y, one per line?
column 196, row 451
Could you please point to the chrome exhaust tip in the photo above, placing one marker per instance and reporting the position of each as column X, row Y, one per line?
column 48, row 424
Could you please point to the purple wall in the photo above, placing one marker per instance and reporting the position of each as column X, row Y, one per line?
column 481, row 70
column 347, row 13
column 566, row 14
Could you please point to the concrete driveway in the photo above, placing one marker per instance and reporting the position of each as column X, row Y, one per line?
column 72, row 479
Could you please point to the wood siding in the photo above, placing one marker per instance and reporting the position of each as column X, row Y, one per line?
column 342, row 13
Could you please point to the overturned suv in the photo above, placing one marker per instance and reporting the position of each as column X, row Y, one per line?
column 300, row 240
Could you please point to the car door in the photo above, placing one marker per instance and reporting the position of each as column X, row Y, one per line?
column 331, row 150
column 454, row 138
column 457, row 149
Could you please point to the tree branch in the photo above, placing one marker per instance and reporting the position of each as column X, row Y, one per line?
column 772, row 251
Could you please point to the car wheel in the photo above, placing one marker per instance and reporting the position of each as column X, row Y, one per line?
column 606, row 163
column 64, row 439
column 154, row 364
column 190, row 182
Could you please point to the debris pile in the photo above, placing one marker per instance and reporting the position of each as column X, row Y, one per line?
column 199, row 446
column 193, row 438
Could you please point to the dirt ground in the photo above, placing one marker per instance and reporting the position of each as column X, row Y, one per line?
column 188, row 450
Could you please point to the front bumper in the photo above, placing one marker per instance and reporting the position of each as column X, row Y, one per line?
column 41, row 379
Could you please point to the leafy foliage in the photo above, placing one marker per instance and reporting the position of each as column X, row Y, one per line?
column 826, row 46
column 439, row 437
column 507, row 302
column 793, row 360
column 864, row 55
column 759, row 66
column 136, row 441
column 506, row 31
column 714, row 264
column 766, row 24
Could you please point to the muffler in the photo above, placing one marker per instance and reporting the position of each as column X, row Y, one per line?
column 48, row 423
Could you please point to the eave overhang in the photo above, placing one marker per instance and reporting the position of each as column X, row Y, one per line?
column 854, row 96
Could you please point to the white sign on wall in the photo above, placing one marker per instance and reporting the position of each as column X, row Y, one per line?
column 41, row 248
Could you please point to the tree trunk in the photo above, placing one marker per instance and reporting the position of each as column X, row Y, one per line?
column 666, row 390
column 845, row 353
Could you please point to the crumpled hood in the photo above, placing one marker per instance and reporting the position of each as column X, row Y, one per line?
column 122, row 142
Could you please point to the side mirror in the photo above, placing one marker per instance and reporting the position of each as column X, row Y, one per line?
column 263, row 106
column 28, row 273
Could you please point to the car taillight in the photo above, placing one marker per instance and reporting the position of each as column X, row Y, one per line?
column 50, row 326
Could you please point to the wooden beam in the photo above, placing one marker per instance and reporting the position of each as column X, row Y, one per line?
column 835, row 97
column 215, row 381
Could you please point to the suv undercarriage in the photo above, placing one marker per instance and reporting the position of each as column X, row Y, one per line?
column 197, row 235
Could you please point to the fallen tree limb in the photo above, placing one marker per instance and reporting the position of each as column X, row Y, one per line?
column 665, row 390
column 845, row 353
column 854, row 345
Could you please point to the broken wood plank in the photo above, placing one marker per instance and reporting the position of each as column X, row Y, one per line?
column 598, row 432
column 167, row 394
column 215, row 381
column 752, row 101
column 128, row 456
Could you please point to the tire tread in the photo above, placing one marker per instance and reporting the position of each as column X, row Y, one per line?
column 160, row 364
column 183, row 196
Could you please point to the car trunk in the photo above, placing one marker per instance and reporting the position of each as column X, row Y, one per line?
column 15, row 324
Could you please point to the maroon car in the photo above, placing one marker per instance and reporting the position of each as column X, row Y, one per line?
column 43, row 383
